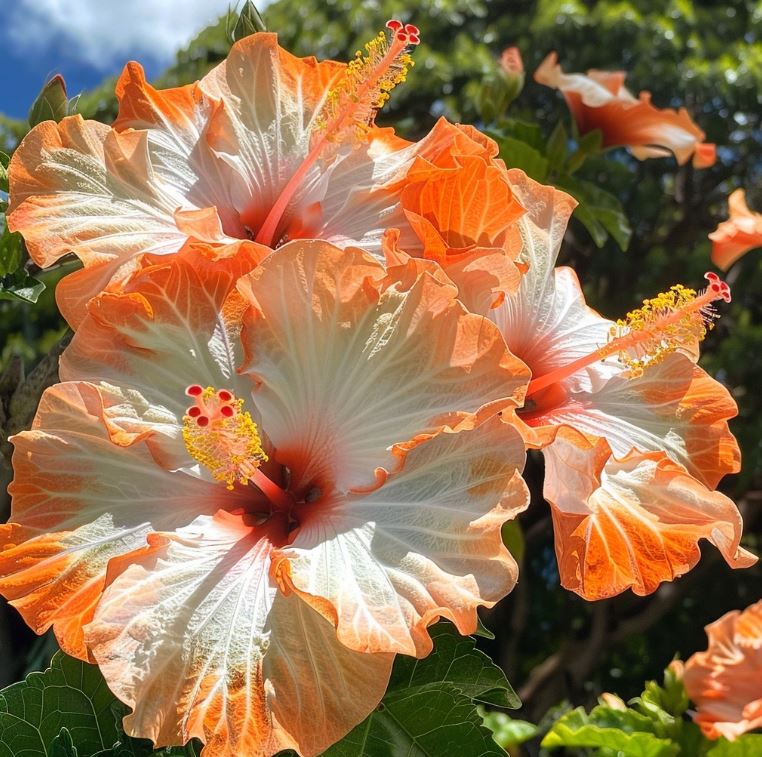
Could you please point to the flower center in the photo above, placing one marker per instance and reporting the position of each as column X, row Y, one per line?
column 673, row 320
column 350, row 108
column 222, row 436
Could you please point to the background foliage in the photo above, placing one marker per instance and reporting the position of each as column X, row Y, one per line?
column 557, row 649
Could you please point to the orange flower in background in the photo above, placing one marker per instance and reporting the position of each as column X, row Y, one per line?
column 599, row 100
column 634, row 434
column 740, row 233
column 250, row 492
column 725, row 681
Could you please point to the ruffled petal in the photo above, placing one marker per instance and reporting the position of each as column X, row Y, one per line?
column 600, row 101
column 200, row 643
column 77, row 186
column 348, row 363
column 673, row 407
column 385, row 565
column 740, row 233
column 725, row 681
column 631, row 523
column 79, row 501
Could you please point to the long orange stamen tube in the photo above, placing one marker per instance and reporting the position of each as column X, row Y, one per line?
column 221, row 435
column 350, row 107
column 647, row 335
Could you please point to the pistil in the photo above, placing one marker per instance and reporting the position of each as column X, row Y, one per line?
column 221, row 435
column 670, row 321
column 350, row 108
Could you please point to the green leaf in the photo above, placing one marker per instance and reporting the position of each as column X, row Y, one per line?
column 749, row 745
column 249, row 22
column 591, row 142
column 429, row 707
column 63, row 745
column 558, row 146
column 599, row 210
column 69, row 695
column 506, row 731
column 482, row 631
column 52, row 102
column 518, row 154
column 4, row 161
column 513, row 538
column 605, row 727
column 11, row 249
column 21, row 286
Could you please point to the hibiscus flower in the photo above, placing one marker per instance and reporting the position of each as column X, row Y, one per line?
column 252, row 489
column 599, row 100
column 740, row 233
column 725, row 681
column 634, row 433
column 265, row 148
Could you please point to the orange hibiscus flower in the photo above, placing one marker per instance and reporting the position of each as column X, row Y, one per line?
column 265, row 148
column 252, row 490
column 600, row 100
column 739, row 234
column 634, row 434
column 725, row 681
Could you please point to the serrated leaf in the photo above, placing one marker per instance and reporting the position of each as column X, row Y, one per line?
column 558, row 146
column 748, row 745
column 518, row 154
column 52, row 102
column 429, row 707
column 69, row 695
column 623, row 730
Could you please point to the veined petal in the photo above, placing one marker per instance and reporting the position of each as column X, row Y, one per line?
column 200, row 643
column 674, row 406
column 725, row 681
column 175, row 122
column 174, row 323
column 348, row 363
column 385, row 565
column 77, row 186
column 741, row 232
column 80, row 501
column 631, row 523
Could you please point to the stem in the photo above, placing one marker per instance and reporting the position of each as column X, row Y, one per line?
column 279, row 497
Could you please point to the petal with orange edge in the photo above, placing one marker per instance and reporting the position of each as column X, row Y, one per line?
column 725, row 681
column 199, row 641
column 347, row 362
column 79, row 501
column 673, row 407
column 740, row 233
column 631, row 523
column 77, row 186
column 384, row 565
column 600, row 100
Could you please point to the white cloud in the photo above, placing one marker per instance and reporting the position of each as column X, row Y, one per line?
column 105, row 33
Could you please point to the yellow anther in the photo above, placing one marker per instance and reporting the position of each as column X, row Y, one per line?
column 222, row 436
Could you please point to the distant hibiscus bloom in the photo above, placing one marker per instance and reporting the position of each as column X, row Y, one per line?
column 740, row 233
column 245, row 499
column 264, row 149
column 725, row 681
column 600, row 100
column 634, row 434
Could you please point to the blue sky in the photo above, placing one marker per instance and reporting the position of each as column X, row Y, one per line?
column 87, row 40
